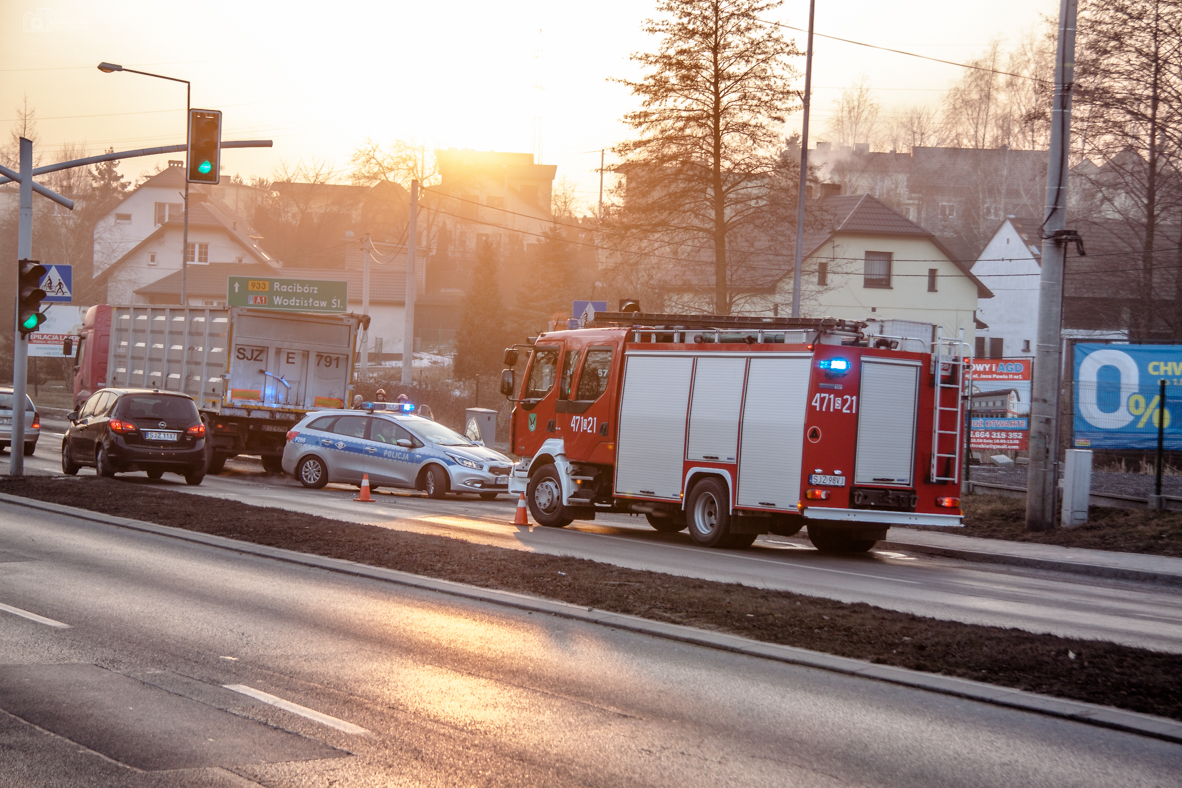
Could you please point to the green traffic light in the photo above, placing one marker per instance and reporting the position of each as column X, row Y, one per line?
column 31, row 322
column 204, row 167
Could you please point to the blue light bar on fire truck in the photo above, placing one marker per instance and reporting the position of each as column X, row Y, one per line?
column 838, row 365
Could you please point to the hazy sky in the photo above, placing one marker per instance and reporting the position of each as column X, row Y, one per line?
column 318, row 78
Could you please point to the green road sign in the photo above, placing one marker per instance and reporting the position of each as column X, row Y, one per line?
column 288, row 295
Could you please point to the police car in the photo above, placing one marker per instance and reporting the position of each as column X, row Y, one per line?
column 396, row 450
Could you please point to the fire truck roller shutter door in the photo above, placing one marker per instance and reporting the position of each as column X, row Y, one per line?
column 714, row 413
column 773, row 432
column 886, row 423
column 653, row 408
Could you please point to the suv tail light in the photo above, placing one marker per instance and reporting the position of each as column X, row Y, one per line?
column 197, row 431
column 120, row 426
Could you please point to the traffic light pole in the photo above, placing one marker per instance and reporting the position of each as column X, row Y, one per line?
column 185, row 231
column 20, row 341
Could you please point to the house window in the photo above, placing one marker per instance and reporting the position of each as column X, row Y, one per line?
column 979, row 350
column 932, row 273
column 123, row 218
column 822, row 274
column 947, row 210
column 996, row 347
column 878, row 270
column 238, row 260
column 152, row 259
column 168, row 211
column 1025, row 345
column 202, row 251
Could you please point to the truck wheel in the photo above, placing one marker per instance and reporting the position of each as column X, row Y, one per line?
column 435, row 482
column 273, row 463
column 667, row 522
column 832, row 540
column 312, row 473
column 217, row 462
column 69, row 467
column 544, row 495
column 709, row 517
column 103, row 463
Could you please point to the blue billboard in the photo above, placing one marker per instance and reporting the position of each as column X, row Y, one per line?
column 1117, row 396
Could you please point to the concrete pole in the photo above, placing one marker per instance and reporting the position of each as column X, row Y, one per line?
column 20, row 342
column 798, row 260
column 600, row 215
column 185, row 231
column 408, row 328
column 365, row 305
column 1042, row 484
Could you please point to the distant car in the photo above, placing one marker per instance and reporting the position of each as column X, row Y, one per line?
column 395, row 450
column 124, row 430
column 32, row 422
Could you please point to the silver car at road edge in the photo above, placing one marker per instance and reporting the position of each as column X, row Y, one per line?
column 395, row 450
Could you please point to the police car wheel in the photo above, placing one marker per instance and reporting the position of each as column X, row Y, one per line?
column 435, row 482
column 312, row 473
column 544, row 495
column 488, row 496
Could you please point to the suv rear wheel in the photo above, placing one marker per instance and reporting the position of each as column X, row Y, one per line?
column 103, row 463
column 69, row 467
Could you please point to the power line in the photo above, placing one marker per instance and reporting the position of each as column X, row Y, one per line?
column 908, row 54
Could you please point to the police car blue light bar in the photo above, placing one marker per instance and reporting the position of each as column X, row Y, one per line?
column 835, row 364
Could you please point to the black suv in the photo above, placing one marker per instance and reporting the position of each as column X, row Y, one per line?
column 120, row 430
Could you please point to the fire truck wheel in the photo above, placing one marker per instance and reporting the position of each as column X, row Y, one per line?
column 544, row 495
column 435, row 482
column 669, row 523
column 831, row 540
column 709, row 516
column 272, row 463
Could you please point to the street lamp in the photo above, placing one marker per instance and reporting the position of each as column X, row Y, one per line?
column 108, row 68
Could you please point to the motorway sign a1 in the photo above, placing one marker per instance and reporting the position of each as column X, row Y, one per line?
column 288, row 295
column 58, row 284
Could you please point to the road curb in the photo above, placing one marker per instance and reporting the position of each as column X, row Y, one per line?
column 1077, row 711
column 982, row 557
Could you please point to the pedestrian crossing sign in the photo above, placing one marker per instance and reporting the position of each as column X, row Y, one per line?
column 58, row 284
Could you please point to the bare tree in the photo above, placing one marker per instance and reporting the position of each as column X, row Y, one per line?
column 713, row 101
column 1129, row 78
column 969, row 105
column 1028, row 95
column 564, row 199
column 399, row 162
column 855, row 114
column 916, row 127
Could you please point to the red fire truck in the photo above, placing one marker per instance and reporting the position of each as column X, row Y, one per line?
column 739, row 426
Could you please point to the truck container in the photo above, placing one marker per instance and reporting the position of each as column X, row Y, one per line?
column 253, row 373
column 735, row 426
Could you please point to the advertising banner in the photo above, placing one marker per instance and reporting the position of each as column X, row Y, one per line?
column 61, row 320
column 993, row 378
column 1117, row 396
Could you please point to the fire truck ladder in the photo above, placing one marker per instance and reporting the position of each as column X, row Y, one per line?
column 948, row 351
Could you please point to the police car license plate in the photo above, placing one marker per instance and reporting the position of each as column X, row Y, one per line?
column 500, row 480
column 826, row 481
column 161, row 436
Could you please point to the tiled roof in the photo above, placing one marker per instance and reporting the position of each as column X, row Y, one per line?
column 168, row 177
column 387, row 284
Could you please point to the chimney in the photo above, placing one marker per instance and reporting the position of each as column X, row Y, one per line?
column 830, row 190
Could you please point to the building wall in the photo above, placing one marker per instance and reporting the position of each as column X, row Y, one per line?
column 1008, row 268
column 138, row 269
column 951, row 306
column 113, row 239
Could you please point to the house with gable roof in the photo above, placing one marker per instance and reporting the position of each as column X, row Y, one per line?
column 864, row 261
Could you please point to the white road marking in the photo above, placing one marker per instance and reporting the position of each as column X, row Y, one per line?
column 49, row 622
column 296, row 708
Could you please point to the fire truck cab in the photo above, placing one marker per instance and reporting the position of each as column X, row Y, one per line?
column 734, row 427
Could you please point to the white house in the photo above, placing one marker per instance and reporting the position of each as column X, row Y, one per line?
column 1010, row 266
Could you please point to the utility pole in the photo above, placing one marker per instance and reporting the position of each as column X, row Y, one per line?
column 185, row 210
column 20, row 342
column 601, row 186
column 365, row 305
column 1042, row 483
column 798, row 260
column 408, row 327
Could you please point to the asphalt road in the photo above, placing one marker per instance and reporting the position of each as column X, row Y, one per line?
column 128, row 659
column 1122, row 611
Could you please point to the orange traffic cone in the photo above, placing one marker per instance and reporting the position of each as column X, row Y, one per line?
column 365, row 496
column 521, row 518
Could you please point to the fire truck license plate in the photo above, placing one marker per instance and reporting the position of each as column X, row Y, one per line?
column 826, row 481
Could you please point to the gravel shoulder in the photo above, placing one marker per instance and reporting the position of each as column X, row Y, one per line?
column 1130, row 678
